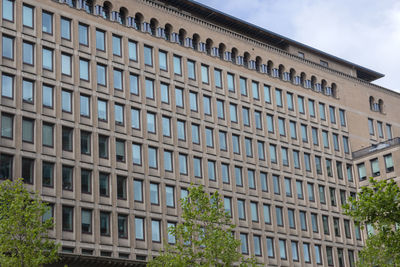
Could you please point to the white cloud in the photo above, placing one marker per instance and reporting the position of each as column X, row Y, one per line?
column 365, row 32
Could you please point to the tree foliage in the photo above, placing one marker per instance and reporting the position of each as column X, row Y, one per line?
column 379, row 206
column 23, row 236
column 204, row 238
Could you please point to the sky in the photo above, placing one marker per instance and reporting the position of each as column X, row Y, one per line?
column 365, row 32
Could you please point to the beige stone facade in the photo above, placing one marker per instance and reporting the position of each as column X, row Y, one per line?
column 111, row 112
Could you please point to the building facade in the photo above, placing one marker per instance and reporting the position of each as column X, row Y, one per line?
column 112, row 109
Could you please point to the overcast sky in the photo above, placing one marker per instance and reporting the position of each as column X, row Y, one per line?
column 365, row 32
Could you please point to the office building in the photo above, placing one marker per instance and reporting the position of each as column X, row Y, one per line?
column 110, row 109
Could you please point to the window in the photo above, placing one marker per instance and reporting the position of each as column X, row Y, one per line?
column 168, row 162
column 138, row 190
column 149, row 84
column 257, row 245
column 225, row 173
column 27, row 52
column 177, row 65
column 135, row 118
column 8, row 47
column 233, row 112
column 264, row 181
column 191, row 67
column 47, row 59
column 170, row 196
column 47, row 135
column 154, row 194
column 246, row 116
column 155, row 231
column 270, row 247
column 299, row 189
column 303, row 220
column 243, row 86
column 321, row 190
column 314, row 222
column 67, row 138
column 254, row 211
column 322, row 114
column 361, row 171
column 371, row 126
column 235, row 144
column 278, row 98
column 121, row 187
column 335, row 142
column 193, row 101
column 197, row 166
column 132, row 50
column 284, row 155
column 300, row 103
column 307, row 162
column 375, row 167
column 152, row 157
column 296, row 159
column 118, row 79
column 139, row 228
column 65, row 28
column 86, row 181
column 279, row 216
column 231, row 82
column 148, row 55
column 180, row 125
column 84, row 105
column 318, row 164
column 67, row 178
column 179, row 97
column 84, row 69
column 116, row 45
column 332, row 114
column 103, row 147
column 293, row 132
column 282, row 249
column 85, row 143
column 238, row 176
column 101, row 74
column 102, row 109
column 27, row 170
column 217, row 78
column 7, row 85
column 171, row 237
column 120, row 150
column 257, row 119
column 325, row 224
column 389, row 131
column 27, row 15
column 388, row 163
column 67, row 218
column 100, row 40
column 86, row 224
column 27, row 130
column 195, row 133
column 251, row 179
column 289, row 100
column 151, row 122
column 7, row 125
column 380, row 129
column 261, row 151
column 207, row 105
column 137, row 154
column 304, row 135
column 342, row 117
column 329, row 255
column 310, row 189
column 249, row 147
column 83, row 34
column 104, row 223
column 47, row 22
column 270, row 123
column 325, row 139
column 204, row 74
column 164, row 93
column 347, row 228
column 272, row 153
column 241, row 209
column 244, row 246
column 211, row 170
column 291, row 219
column 6, row 166
column 183, row 164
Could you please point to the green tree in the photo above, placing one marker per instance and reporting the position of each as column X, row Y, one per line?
column 204, row 238
column 379, row 206
column 23, row 236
